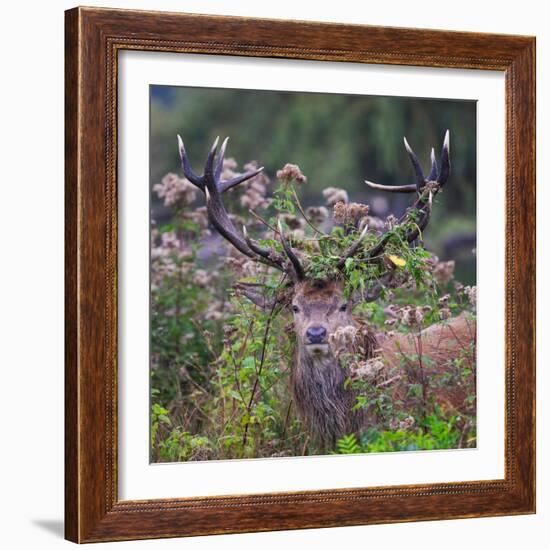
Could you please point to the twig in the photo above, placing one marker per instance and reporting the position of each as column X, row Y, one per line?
column 286, row 421
column 301, row 210
column 259, row 372
column 203, row 334
column 236, row 374
column 389, row 381
column 463, row 434
column 304, row 448
column 266, row 223
column 189, row 378
column 422, row 377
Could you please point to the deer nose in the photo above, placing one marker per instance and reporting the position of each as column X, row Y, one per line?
column 316, row 335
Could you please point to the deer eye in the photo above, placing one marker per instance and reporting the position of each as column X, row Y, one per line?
column 343, row 307
column 295, row 309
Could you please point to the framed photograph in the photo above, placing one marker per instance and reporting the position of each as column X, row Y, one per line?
column 327, row 319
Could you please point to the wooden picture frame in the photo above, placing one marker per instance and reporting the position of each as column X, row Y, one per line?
column 93, row 511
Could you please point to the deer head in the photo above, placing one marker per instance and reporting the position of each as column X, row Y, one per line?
column 319, row 307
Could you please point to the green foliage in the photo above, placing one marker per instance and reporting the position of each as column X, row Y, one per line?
column 348, row 445
column 181, row 446
column 436, row 432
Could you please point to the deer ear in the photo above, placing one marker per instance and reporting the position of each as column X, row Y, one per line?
column 256, row 293
column 373, row 292
column 359, row 297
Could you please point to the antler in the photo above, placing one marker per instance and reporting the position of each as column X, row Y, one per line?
column 434, row 176
column 420, row 211
column 211, row 184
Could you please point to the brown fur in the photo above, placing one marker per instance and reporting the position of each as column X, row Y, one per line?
column 440, row 344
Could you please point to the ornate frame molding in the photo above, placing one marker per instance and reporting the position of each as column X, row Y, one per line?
column 93, row 38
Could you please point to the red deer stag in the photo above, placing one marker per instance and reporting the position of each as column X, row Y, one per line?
column 324, row 402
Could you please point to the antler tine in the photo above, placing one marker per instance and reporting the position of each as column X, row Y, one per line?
column 445, row 161
column 392, row 188
column 219, row 161
column 186, row 167
column 210, row 179
column 432, row 176
column 294, row 260
column 420, row 180
column 353, row 248
column 228, row 184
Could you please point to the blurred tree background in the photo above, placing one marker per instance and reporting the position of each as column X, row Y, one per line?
column 337, row 140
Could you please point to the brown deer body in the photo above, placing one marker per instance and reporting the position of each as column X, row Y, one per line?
column 323, row 400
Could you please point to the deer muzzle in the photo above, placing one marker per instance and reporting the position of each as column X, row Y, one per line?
column 316, row 335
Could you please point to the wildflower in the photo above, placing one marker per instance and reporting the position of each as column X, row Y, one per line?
column 444, row 272
column 200, row 452
column 445, row 313
column 375, row 223
column 293, row 222
column 252, row 200
column 174, row 189
column 250, row 268
column 317, row 214
column 199, row 216
column 365, row 370
column 341, row 341
column 291, row 172
column 228, row 330
column 412, row 316
column 391, row 222
column 255, row 189
column 444, row 300
column 357, row 210
column 406, row 423
column 214, row 311
column 170, row 240
column 471, row 293
column 202, row 277
column 229, row 168
column 339, row 211
column 351, row 213
column 334, row 195
column 392, row 310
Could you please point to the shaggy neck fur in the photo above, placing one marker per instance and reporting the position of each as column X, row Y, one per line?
column 322, row 401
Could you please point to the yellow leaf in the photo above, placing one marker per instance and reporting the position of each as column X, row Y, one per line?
column 396, row 260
